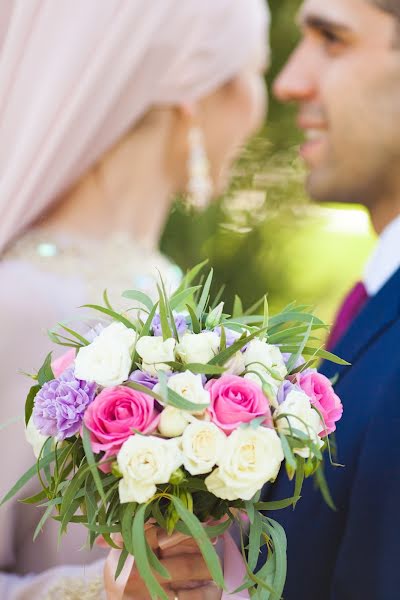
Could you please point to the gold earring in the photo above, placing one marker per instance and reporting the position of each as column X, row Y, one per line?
column 199, row 189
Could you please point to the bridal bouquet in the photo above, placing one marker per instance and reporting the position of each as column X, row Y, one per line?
column 179, row 413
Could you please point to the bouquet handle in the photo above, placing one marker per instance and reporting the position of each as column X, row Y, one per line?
column 234, row 572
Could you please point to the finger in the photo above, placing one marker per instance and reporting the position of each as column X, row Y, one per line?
column 168, row 541
column 207, row 592
column 152, row 537
column 184, row 547
column 186, row 568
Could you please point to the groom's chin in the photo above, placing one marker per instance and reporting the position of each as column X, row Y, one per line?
column 322, row 185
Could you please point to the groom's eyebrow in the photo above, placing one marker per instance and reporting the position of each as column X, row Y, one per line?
column 322, row 24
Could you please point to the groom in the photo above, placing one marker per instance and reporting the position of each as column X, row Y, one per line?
column 345, row 77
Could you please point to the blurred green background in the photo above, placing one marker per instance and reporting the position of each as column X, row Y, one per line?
column 265, row 236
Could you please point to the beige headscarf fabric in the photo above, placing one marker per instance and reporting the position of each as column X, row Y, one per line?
column 75, row 75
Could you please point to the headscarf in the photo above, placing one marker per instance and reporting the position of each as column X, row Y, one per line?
column 75, row 75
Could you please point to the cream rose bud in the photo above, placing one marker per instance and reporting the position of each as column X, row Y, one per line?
column 265, row 357
column 144, row 462
column 202, row 446
column 155, row 352
column 236, row 364
column 108, row 359
column 198, row 347
column 251, row 457
column 301, row 416
column 189, row 386
column 173, row 422
column 35, row 438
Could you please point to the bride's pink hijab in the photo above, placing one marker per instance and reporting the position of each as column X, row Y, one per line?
column 76, row 74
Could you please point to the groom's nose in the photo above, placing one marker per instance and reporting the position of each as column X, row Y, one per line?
column 298, row 79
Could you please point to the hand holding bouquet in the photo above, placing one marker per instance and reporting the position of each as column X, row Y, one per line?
column 179, row 413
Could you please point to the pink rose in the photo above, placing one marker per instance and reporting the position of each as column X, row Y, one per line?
column 235, row 400
column 320, row 391
column 113, row 416
column 59, row 365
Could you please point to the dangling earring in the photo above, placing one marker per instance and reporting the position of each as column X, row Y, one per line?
column 199, row 190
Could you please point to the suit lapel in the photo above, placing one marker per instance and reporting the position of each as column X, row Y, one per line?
column 377, row 314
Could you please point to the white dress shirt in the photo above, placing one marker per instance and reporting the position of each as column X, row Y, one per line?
column 385, row 259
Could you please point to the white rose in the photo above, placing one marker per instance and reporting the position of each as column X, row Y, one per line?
column 202, row 446
column 35, row 438
column 198, row 347
column 144, row 462
column 173, row 422
column 189, row 386
column 155, row 352
column 301, row 416
column 251, row 458
column 236, row 364
column 108, row 359
column 260, row 356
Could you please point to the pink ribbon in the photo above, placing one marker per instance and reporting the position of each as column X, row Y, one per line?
column 234, row 572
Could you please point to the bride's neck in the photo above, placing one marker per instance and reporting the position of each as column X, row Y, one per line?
column 127, row 191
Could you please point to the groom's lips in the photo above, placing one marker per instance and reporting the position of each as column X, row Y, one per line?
column 315, row 133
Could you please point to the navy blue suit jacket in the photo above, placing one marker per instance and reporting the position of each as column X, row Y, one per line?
column 354, row 553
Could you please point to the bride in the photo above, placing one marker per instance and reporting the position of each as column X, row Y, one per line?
column 107, row 111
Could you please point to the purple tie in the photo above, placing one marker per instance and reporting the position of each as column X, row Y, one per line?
column 351, row 306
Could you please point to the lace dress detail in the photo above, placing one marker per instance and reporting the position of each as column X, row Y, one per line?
column 72, row 588
column 117, row 263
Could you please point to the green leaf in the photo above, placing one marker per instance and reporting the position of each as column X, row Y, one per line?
column 290, row 459
column 111, row 313
column 127, row 513
column 35, row 499
column 156, row 564
column 206, row 547
column 181, row 298
column 196, row 326
column 139, row 297
column 42, row 521
column 121, row 562
column 204, row 295
column 299, row 478
column 92, row 462
column 30, row 473
column 165, row 326
column 323, row 487
column 30, row 402
column 225, row 355
column 147, row 326
column 277, row 505
column 277, row 534
column 190, row 276
column 237, row 307
column 297, row 355
column 207, row 369
column 255, row 541
column 75, row 334
column 45, row 373
column 176, row 400
column 141, row 556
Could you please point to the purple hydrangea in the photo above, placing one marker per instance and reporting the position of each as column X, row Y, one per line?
column 60, row 405
column 231, row 336
column 180, row 324
column 285, row 388
column 143, row 378
column 286, row 357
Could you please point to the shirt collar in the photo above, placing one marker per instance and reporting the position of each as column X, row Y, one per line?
column 385, row 259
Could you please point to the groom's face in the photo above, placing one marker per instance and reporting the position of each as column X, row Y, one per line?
column 345, row 77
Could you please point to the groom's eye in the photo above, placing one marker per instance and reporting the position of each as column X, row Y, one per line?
column 332, row 42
